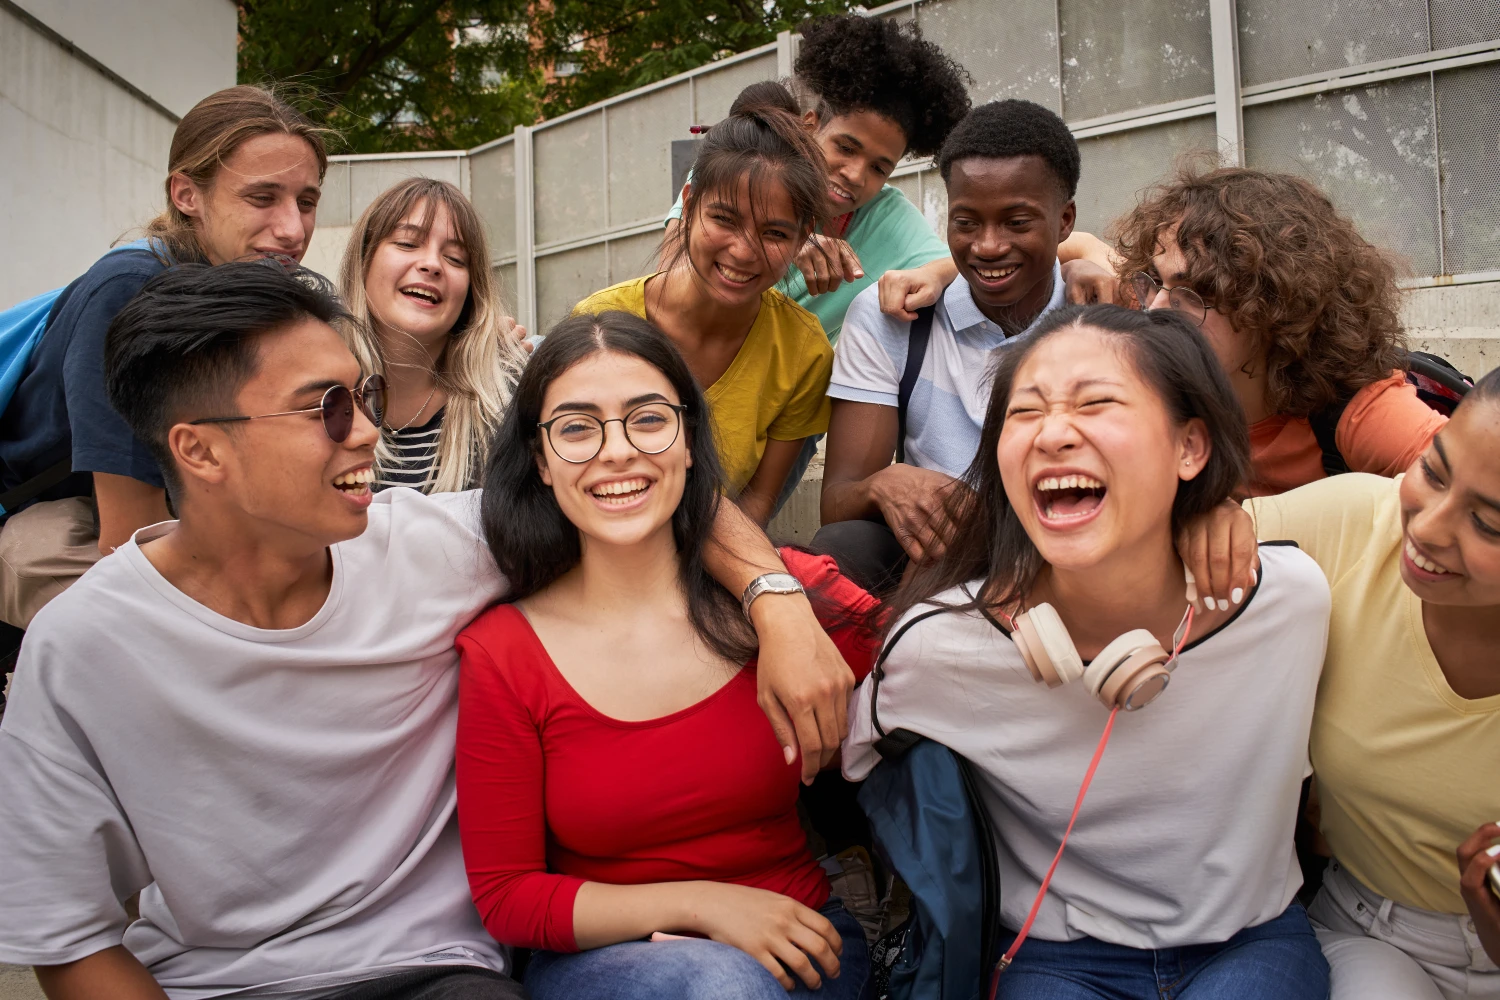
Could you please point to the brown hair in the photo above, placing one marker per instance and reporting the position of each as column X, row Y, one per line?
column 1272, row 253
column 481, row 362
column 208, row 134
column 763, row 138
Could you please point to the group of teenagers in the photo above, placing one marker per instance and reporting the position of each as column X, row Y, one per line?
column 369, row 655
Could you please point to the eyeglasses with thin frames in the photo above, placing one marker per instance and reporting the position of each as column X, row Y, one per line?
column 337, row 408
column 1183, row 300
column 650, row 429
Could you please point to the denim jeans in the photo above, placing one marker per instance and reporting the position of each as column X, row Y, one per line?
column 1277, row 960
column 694, row 969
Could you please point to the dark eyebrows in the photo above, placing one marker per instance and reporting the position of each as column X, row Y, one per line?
column 853, row 140
column 630, row 404
column 1437, row 444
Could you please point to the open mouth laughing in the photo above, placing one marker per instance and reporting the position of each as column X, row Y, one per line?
column 1423, row 568
column 425, row 294
column 355, row 483
column 1068, row 500
column 733, row 276
column 619, row 493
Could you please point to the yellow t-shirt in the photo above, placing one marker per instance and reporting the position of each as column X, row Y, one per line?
column 1404, row 765
column 776, row 386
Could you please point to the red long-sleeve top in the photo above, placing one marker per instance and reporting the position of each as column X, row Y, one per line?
column 552, row 793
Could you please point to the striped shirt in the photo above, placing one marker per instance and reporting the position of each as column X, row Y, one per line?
column 414, row 455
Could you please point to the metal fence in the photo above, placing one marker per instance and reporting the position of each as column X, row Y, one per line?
column 1391, row 106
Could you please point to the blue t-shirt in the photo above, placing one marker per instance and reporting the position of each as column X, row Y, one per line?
column 60, row 407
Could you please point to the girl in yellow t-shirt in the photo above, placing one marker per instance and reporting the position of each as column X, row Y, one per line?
column 1405, row 742
column 759, row 188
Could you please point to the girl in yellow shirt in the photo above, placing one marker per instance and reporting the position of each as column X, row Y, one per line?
column 759, row 188
column 1405, row 740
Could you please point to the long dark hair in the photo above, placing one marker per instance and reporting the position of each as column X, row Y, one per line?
column 989, row 542
column 764, row 140
column 533, row 541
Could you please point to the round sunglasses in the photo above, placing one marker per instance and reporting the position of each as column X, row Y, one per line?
column 337, row 408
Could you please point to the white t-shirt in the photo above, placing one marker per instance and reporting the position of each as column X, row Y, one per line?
column 1186, row 834
column 952, row 392
column 283, row 800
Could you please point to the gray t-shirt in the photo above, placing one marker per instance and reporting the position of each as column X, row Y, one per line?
column 283, row 801
column 953, row 389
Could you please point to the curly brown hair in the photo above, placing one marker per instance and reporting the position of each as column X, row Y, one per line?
column 1271, row 252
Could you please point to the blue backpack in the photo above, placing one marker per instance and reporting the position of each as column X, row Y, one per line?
column 21, row 329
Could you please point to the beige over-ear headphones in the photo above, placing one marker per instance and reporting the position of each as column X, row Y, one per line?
column 1129, row 673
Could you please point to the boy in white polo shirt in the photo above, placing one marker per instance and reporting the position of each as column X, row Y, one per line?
column 247, row 716
column 1011, row 168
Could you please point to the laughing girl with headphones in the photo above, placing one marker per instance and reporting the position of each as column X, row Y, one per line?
column 1106, row 431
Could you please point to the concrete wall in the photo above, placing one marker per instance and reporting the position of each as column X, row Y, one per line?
column 85, row 158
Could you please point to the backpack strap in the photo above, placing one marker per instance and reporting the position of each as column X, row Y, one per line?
column 1325, row 427
column 894, row 744
column 916, row 353
column 44, row 480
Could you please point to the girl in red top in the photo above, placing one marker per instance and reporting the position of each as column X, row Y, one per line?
column 1301, row 310
column 617, row 779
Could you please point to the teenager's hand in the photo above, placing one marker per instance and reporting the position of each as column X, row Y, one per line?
column 771, row 928
column 1220, row 551
column 913, row 503
column 827, row 263
column 902, row 293
column 1086, row 283
column 803, row 682
column 1474, row 864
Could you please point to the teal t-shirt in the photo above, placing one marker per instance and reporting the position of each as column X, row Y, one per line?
column 888, row 234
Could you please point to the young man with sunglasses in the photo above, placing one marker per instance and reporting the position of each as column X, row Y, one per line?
column 246, row 716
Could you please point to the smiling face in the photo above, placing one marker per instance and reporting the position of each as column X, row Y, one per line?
column 862, row 148
column 1005, row 219
column 285, row 472
column 1235, row 351
column 263, row 200
column 417, row 279
column 1089, row 454
column 1450, row 512
column 622, row 496
column 740, row 246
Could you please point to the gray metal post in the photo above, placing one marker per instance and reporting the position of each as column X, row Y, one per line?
column 1229, row 118
column 785, row 54
column 525, row 232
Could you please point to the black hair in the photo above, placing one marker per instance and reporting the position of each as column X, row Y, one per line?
column 763, row 140
column 1003, row 129
column 1486, row 388
column 855, row 63
column 1174, row 358
column 185, row 345
column 533, row 541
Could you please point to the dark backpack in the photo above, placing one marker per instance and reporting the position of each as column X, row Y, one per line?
column 1438, row 384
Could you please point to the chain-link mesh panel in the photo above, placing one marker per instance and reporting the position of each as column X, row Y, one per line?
column 714, row 92
column 640, row 134
column 565, row 279
column 1370, row 149
column 1463, row 22
column 368, row 179
column 633, row 256
column 1280, row 39
column 568, row 162
column 1469, row 139
column 333, row 205
column 1119, row 166
column 492, row 189
column 1120, row 56
column 1010, row 49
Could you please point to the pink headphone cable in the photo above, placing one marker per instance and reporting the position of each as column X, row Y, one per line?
column 1088, row 777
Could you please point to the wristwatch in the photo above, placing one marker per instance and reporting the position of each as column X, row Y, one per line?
column 770, row 583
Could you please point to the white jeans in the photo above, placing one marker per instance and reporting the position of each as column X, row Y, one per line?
column 1380, row 950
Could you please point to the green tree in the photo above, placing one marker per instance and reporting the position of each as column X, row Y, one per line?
column 397, row 75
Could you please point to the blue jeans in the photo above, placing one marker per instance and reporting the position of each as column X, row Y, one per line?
column 694, row 969
column 1278, row 960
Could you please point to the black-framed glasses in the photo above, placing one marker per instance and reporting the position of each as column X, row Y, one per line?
column 1183, row 300
column 650, row 428
column 337, row 408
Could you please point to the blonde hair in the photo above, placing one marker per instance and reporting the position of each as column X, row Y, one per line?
column 208, row 135
column 480, row 364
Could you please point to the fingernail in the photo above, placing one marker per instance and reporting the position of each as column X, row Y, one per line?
column 1223, row 604
column 859, row 274
column 788, row 754
column 1237, row 594
column 1493, row 851
column 1254, row 577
